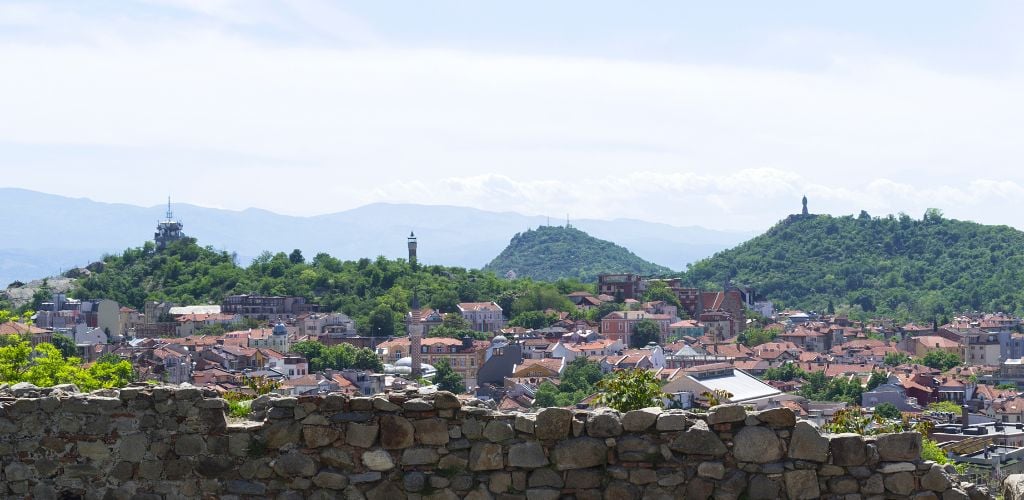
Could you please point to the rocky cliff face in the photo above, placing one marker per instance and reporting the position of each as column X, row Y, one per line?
column 175, row 442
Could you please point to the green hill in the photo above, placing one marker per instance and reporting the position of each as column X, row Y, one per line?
column 894, row 265
column 375, row 292
column 549, row 253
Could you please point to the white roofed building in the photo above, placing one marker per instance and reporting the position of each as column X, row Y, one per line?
column 744, row 387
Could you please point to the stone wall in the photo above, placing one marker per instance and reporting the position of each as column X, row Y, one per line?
column 169, row 442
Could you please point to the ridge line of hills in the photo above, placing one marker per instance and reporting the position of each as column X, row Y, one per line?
column 49, row 233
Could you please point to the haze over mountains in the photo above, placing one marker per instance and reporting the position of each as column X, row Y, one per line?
column 43, row 234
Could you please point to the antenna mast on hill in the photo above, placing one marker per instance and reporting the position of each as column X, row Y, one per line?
column 567, row 225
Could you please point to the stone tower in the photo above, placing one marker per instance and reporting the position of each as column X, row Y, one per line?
column 805, row 205
column 412, row 247
column 167, row 230
column 415, row 336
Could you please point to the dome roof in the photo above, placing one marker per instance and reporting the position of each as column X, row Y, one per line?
column 404, row 366
column 499, row 339
column 280, row 329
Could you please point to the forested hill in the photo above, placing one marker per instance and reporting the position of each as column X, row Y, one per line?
column 914, row 269
column 549, row 253
column 375, row 292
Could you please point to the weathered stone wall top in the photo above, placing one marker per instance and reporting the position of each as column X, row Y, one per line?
column 170, row 442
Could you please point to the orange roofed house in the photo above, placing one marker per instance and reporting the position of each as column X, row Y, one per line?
column 619, row 325
column 465, row 356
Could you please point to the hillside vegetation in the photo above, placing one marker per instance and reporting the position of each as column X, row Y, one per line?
column 375, row 293
column 894, row 265
column 549, row 253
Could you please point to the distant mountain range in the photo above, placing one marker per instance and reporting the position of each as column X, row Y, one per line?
column 552, row 252
column 43, row 234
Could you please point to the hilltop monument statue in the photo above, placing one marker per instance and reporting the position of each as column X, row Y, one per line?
column 805, row 205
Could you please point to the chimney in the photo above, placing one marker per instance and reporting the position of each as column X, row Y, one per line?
column 963, row 417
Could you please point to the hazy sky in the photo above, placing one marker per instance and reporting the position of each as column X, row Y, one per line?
column 678, row 112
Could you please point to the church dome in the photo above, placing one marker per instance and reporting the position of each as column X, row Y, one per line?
column 279, row 329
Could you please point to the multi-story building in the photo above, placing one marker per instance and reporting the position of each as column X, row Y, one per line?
column 266, row 307
column 483, row 316
column 982, row 348
column 621, row 286
column 319, row 324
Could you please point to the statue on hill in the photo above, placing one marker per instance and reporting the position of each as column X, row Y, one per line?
column 805, row 205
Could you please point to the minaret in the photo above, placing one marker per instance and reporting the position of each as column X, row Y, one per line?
column 415, row 335
column 412, row 248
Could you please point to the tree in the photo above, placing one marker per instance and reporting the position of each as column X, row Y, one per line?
column 944, row 407
column 659, row 290
column 382, row 322
column 576, row 383
column 628, row 390
column 940, row 360
column 296, row 257
column 533, row 320
column 877, row 379
column 64, row 344
column 786, row 372
column 895, row 358
column 755, row 336
column 337, row 357
column 546, row 396
column 716, row 397
column 607, row 308
column 888, row 410
column 645, row 332
column 446, row 379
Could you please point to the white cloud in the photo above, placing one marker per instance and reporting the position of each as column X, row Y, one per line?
column 700, row 144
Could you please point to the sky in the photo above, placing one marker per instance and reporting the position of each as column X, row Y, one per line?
column 715, row 114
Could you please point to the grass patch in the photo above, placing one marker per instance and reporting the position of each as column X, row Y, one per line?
column 239, row 409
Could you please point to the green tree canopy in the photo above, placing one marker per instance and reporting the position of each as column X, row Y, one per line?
column 627, row 390
column 940, row 360
column 645, row 331
column 447, row 379
column 888, row 410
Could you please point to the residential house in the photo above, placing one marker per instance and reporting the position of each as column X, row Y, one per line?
column 191, row 324
column 313, row 383
column 584, row 301
column 35, row 334
column 482, row 316
column 808, row 339
column 619, row 325
column 685, row 328
column 571, row 351
column 320, row 324
column 550, row 368
column 921, row 345
column 893, row 394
